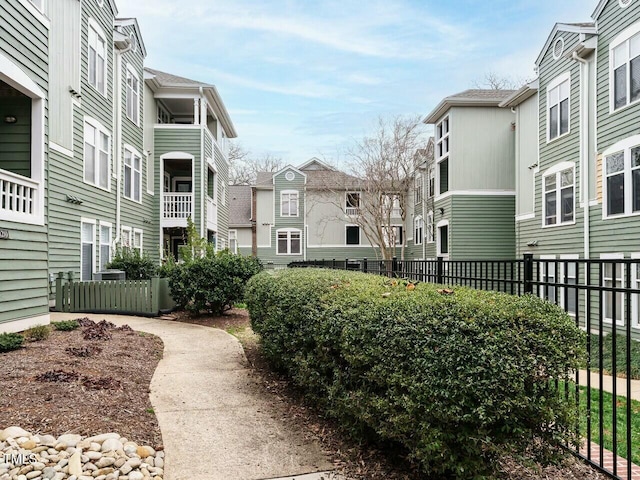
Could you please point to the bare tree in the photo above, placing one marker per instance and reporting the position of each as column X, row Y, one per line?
column 494, row 81
column 383, row 165
column 244, row 167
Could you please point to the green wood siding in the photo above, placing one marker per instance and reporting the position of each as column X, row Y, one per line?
column 23, row 258
column 15, row 138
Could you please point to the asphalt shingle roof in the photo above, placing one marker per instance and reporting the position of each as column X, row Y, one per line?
column 165, row 78
column 239, row 204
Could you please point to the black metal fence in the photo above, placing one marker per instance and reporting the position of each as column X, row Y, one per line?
column 602, row 296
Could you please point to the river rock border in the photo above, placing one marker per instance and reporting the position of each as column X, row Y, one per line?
column 26, row 456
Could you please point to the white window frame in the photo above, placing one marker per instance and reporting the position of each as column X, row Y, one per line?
column 557, row 171
column 288, row 232
column 571, row 260
column 137, row 232
column 443, row 223
column 418, row 190
column 418, row 230
column 130, row 170
column 290, row 194
column 126, row 232
column 99, row 130
column 102, row 263
column 431, row 238
column 359, row 235
column 623, row 39
column 96, row 33
column 620, row 271
column 635, row 298
column 443, row 147
column 432, row 176
column 350, row 209
column 557, row 84
column 148, row 158
column 132, row 111
column 624, row 146
column 88, row 221
column 233, row 241
column 387, row 235
column 546, row 274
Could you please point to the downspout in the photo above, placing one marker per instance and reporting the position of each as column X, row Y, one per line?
column 203, row 124
column 117, row 135
column 584, row 147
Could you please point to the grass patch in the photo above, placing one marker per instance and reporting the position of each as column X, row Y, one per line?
column 607, row 421
column 37, row 333
column 65, row 325
column 621, row 355
column 240, row 305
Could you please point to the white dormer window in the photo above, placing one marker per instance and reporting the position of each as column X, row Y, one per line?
column 97, row 58
column 289, row 203
column 133, row 95
column 624, row 60
column 558, row 101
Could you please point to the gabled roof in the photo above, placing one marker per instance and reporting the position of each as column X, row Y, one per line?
column 518, row 97
column 157, row 79
column 468, row 98
column 586, row 28
column 599, row 9
column 332, row 180
column 133, row 22
column 315, row 161
column 240, row 205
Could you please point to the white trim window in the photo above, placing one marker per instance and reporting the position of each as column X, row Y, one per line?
column 558, row 106
column 289, row 203
column 569, row 276
column 132, row 175
column 233, row 241
column 558, row 199
column 105, row 245
column 432, row 182
column 609, row 282
column 430, row 235
column 352, row 235
column 97, row 61
column 133, row 95
column 418, row 233
column 87, row 249
column 635, row 284
column 393, row 235
column 289, row 242
column 622, row 180
column 547, row 274
column 442, row 155
column 418, row 190
column 125, row 237
column 443, row 239
column 624, row 68
column 352, row 203
column 137, row 240
column 96, row 154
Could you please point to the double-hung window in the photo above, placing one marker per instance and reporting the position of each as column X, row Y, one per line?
column 418, row 233
column 105, row 245
column 418, row 189
column 137, row 240
column 97, row 61
column 352, row 234
column 289, row 242
column 613, row 273
column 87, row 249
column 558, row 93
column 125, row 237
column 289, row 203
column 432, row 182
column 559, row 195
column 133, row 95
column 96, row 155
column 430, row 236
column 625, row 68
column 622, row 179
column 233, row 241
column 392, row 235
column 132, row 175
column 442, row 154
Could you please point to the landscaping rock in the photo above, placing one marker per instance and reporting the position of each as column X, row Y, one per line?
column 13, row 432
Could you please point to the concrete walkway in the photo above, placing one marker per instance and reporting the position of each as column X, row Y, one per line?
column 607, row 384
column 215, row 426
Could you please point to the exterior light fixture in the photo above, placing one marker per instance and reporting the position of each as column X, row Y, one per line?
column 441, row 211
column 10, row 119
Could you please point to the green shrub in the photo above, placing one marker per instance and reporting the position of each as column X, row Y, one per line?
column 10, row 341
column 458, row 379
column 65, row 325
column 136, row 266
column 37, row 333
column 212, row 283
column 167, row 266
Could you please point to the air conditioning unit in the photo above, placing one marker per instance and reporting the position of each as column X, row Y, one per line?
column 110, row 275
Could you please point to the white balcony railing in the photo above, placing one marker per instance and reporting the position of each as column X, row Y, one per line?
column 352, row 211
column 177, row 207
column 18, row 197
column 212, row 215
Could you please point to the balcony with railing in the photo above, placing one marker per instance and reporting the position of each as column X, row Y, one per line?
column 19, row 198
column 176, row 207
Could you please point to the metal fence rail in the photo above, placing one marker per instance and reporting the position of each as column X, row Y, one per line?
column 602, row 296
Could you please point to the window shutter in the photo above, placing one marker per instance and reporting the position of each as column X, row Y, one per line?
column 599, row 178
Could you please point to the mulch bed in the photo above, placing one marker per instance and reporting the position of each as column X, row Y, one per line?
column 357, row 461
column 88, row 381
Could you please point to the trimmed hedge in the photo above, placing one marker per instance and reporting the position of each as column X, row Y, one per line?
column 458, row 378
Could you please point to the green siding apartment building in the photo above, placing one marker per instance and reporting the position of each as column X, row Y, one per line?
column 131, row 154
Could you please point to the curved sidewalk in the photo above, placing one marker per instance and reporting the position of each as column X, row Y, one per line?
column 215, row 426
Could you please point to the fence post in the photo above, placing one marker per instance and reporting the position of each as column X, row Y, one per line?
column 59, row 301
column 364, row 265
column 440, row 271
column 155, row 295
column 528, row 273
column 346, row 264
column 394, row 266
column 333, row 264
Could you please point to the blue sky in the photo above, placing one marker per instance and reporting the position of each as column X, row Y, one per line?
column 304, row 78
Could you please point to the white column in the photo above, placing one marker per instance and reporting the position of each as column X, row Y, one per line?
column 196, row 112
